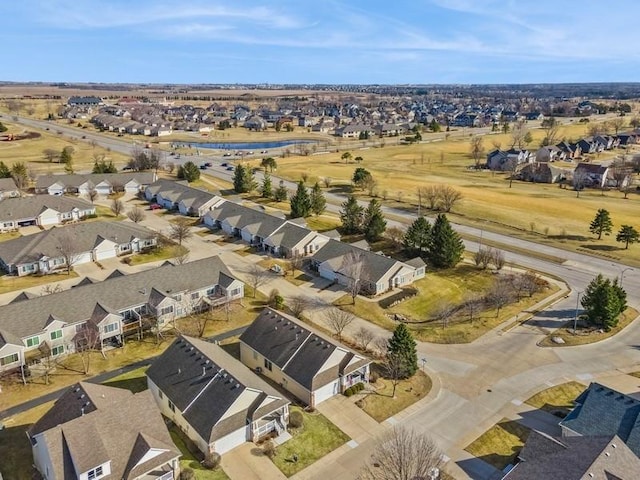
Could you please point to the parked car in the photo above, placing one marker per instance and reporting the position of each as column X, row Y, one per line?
column 275, row 268
column 155, row 206
column 227, row 154
column 264, row 151
column 230, row 169
column 126, row 168
column 225, row 164
column 203, row 167
column 208, row 164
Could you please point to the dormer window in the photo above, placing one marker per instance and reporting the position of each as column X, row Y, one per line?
column 95, row 473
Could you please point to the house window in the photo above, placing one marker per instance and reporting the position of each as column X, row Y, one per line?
column 211, row 291
column 195, row 295
column 56, row 334
column 234, row 292
column 9, row 359
column 95, row 473
column 166, row 310
column 59, row 350
column 112, row 327
column 172, row 407
column 29, row 268
column 177, row 298
column 267, row 364
column 33, row 341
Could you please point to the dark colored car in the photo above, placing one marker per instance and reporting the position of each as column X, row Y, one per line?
column 230, row 168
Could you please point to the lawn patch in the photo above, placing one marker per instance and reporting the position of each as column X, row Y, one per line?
column 155, row 255
column 315, row 439
column 10, row 283
column 557, row 400
column 192, row 460
column 134, row 381
column 500, row 445
column 380, row 405
column 588, row 334
column 9, row 236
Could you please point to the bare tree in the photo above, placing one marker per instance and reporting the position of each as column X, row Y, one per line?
column 49, row 289
column 472, row 306
column 498, row 259
column 180, row 255
column 476, row 149
column 620, row 172
column 369, row 184
column 381, row 345
column 500, row 295
column 50, row 154
column 403, row 454
column 87, row 340
column 449, row 196
column 363, row 338
column 296, row 262
column 298, row 305
column 483, row 257
column 68, row 248
column 442, row 312
column 92, row 194
column 170, row 167
column 617, row 124
column 136, row 215
column 518, row 134
column 338, row 320
column 627, row 187
column 431, row 195
column 395, row 235
column 117, row 207
column 180, row 230
column 257, row 277
column 551, row 128
column 511, row 166
column 117, row 186
column 530, row 283
column 579, row 180
column 395, row 370
column 327, row 182
column 353, row 268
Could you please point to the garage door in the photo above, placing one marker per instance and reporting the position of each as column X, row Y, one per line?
column 108, row 251
column 84, row 258
column 231, row 441
column 326, row 392
column 103, row 190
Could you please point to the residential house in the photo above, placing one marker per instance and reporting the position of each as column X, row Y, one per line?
column 54, row 249
column 602, row 411
column 255, row 123
column 466, row 120
column 103, row 313
column 589, row 145
column 506, row 160
column 84, row 101
column 94, row 431
column 571, row 150
column 574, row 458
column 534, row 116
column 102, row 183
column 607, row 141
column 291, row 240
column 354, row 130
column 594, row 175
column 180, row 196
column 376, row 273
column 542, row 172
column 42, row 211
column 550, row 153
column 628, row 138
column 303, row 361
column 8, row 188
column 213, row 398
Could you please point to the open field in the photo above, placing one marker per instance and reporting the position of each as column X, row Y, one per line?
column 541, row 212
column 452, row 285
column 30, row 151
column 558, row 399
column 500, row 445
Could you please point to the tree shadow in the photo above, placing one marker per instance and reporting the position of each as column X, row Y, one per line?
column 577, row 238
column 601, row 248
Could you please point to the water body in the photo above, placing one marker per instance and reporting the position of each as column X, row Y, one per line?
column 243, row 145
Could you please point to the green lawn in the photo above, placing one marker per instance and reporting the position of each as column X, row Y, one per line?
column 316, row 438
column 188, row 460
column 156, row 254
column 381, row 405
column 323, row 223
column 558, row 399
column 9, row 236
column 10, row 283
column 500, row 445
column 135, row 380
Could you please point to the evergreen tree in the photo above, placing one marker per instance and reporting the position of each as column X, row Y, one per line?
column 351, row 216
column 603, row 302
column 243, row 181
column 374, row 223
column 300, row 202
column 402, row 346
column 4, row 170
column 281, row 193
column 189, row 172
column 103, row 167
column 68, row 167
column 2, row 128
column 418, row 237
column 601, row 223
column 627, row 234
column 360, row 177
column 446, row 247
column 20, row 174
column 318, row 202
column 66, row 155
column 266, row 190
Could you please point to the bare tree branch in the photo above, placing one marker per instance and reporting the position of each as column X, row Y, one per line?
column 338, row 320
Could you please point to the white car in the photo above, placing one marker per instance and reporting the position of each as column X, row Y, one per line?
column 275, row 268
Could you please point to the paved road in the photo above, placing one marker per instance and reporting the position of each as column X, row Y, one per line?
column 481, row 381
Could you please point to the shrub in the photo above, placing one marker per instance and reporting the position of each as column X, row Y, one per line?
column 269, row 449
column 296, row 419
column 211, row 460
column 187, row 474
column 348, row 392
column 373, row 377
column 278, row 302
column 359, row 386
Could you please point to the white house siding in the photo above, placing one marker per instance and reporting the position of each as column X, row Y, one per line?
column 326, row 392
column 232, row 440
column 325, row 271
column 56, row 189
column 84, row 257
column 8, row 350
column 49, row 217
column 132, row 187
column 106, row 249
column 41, row 458
column 148, row 194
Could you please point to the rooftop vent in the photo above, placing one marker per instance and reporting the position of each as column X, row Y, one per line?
column 179, row 371
column 204, row 371
column 237, row 385
column 607, row 454
column 614, row 445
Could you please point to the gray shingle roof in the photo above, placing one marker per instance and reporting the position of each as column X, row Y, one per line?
column 31, row 207
column 289, row 235
column 575, row 458
column 294, row 347
column 7, row 185
column 86, row 237
column 606, row 412
column 122, row 432
column 258, row 223
column 29, row 317
column 75, row 180
column 203, row 381
column 177, row 192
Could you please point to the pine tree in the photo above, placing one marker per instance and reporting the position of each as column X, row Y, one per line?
column 403, row 347
column 351, row 216
column 281, row 193
column 446, row 247
column 601, row 223
column 189, row 172
column 627, row 234
column 418, row 237
column 603, row 302
column 66, row 155
column 374, row 223
column 243, row 181
column 4, row 170
column 318, row 202
column 300, row 202
column 266, row 190
column 68, row 167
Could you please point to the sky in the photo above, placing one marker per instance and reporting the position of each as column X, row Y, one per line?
column 320, row 41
